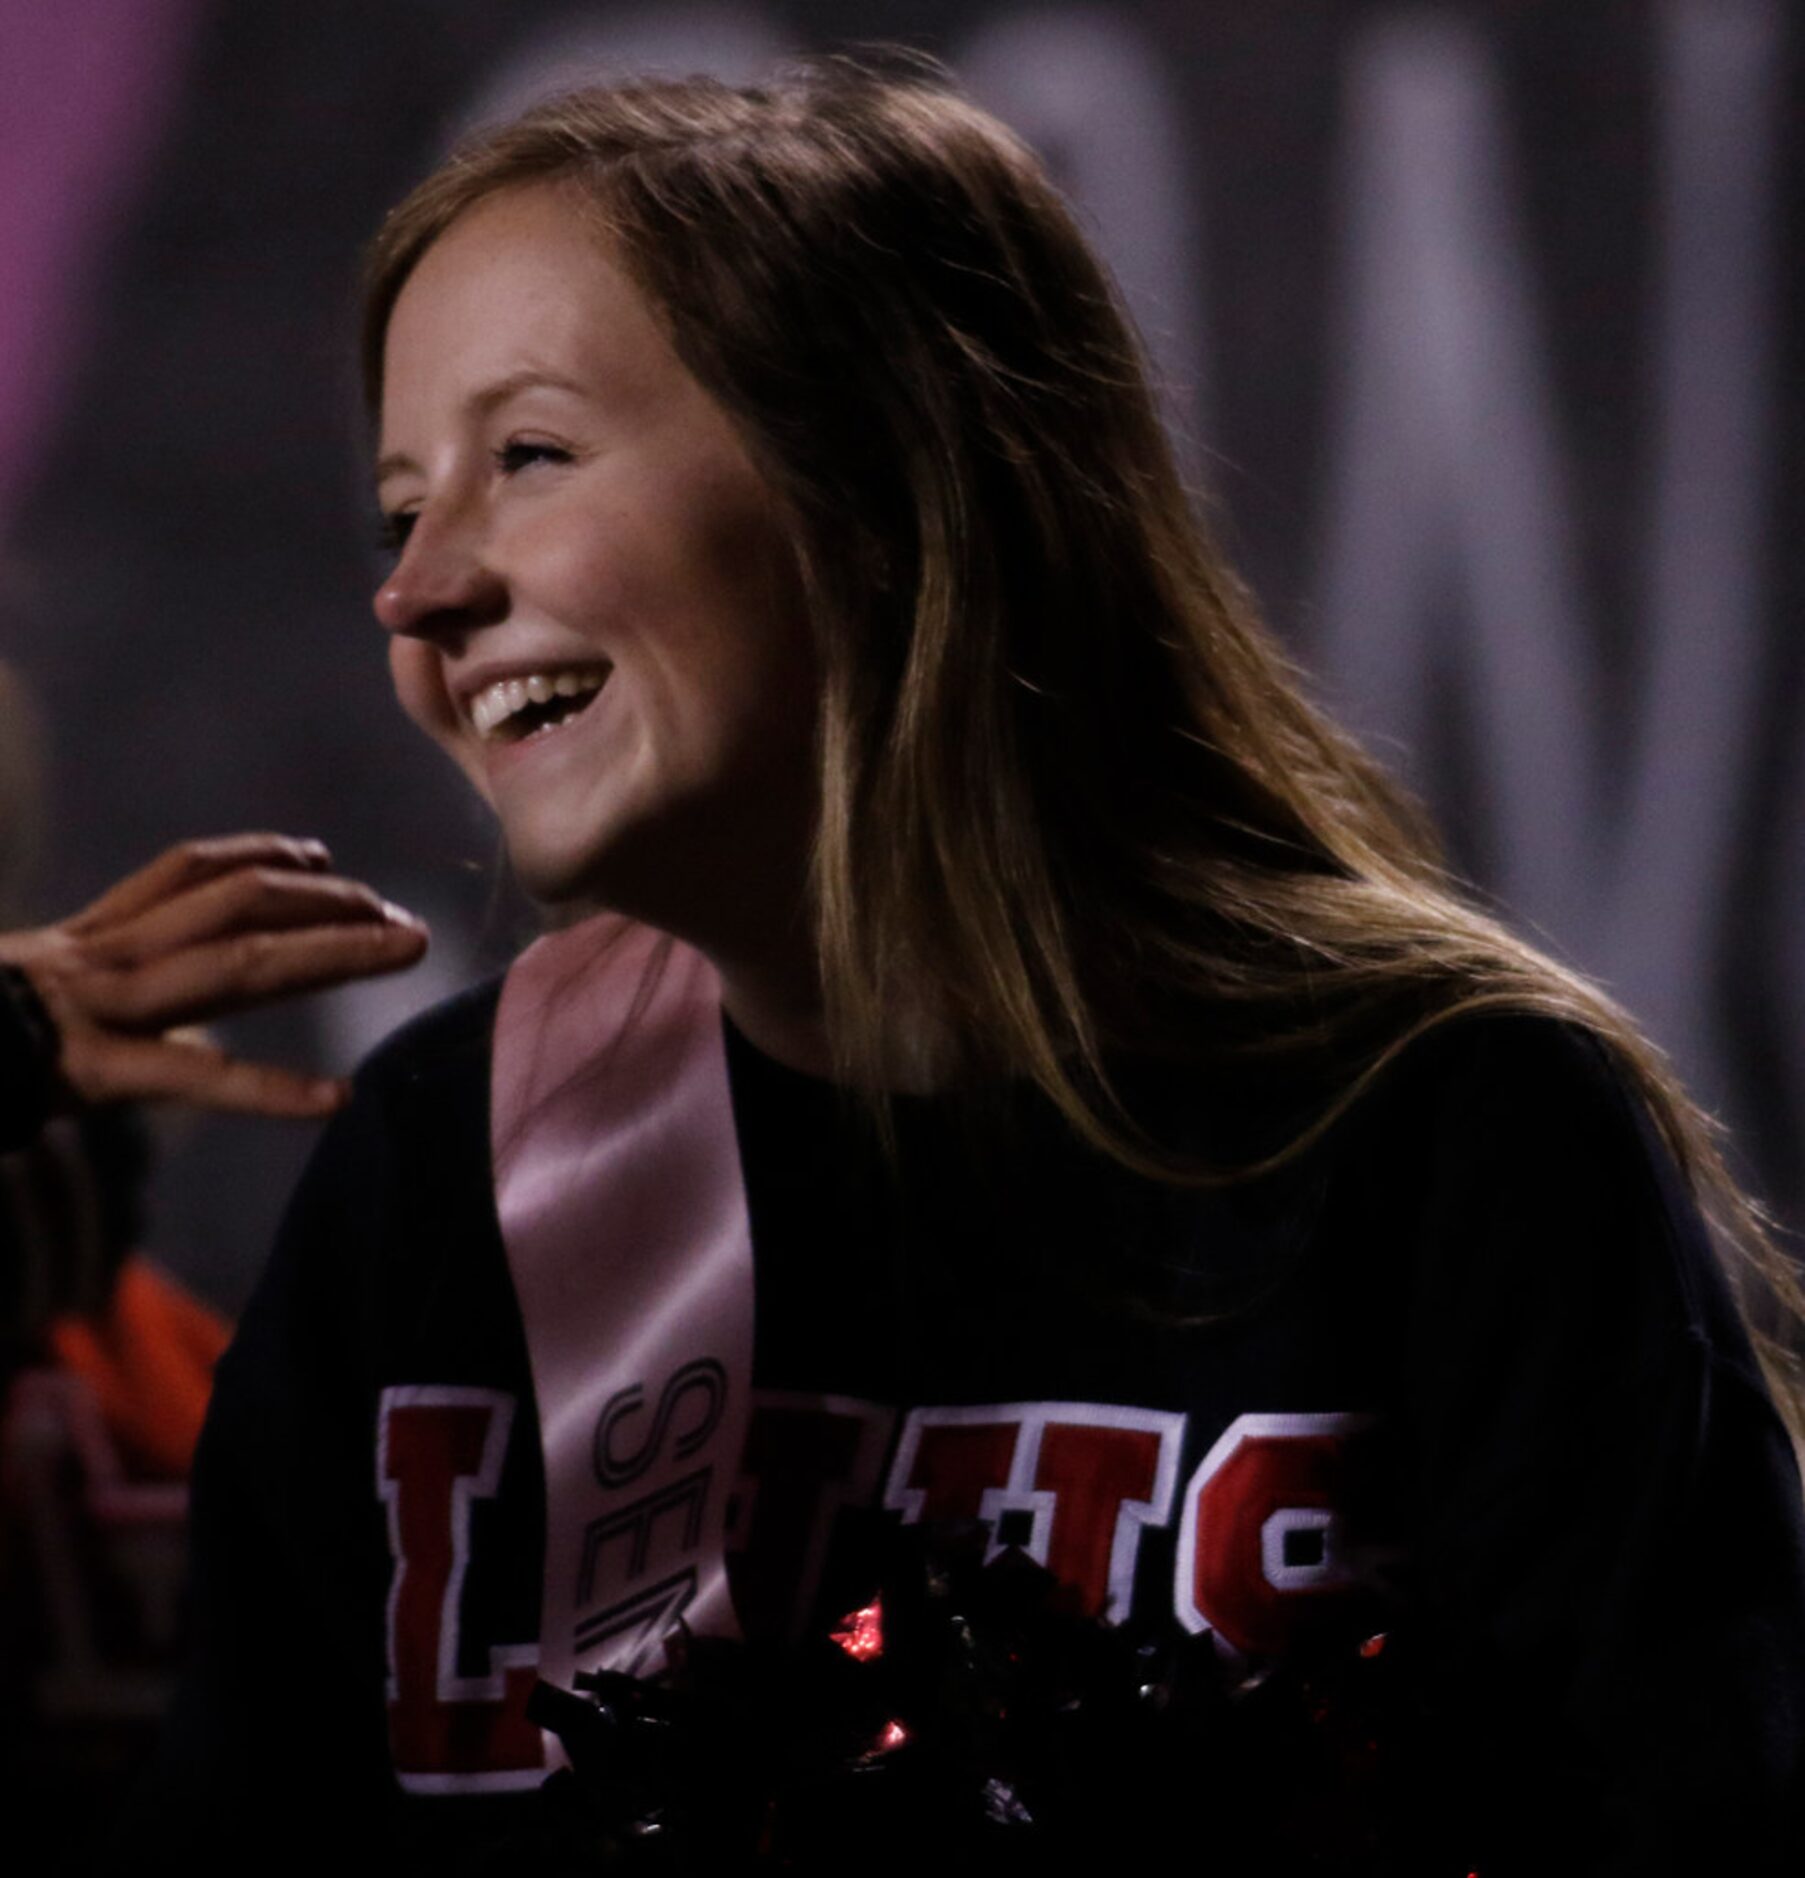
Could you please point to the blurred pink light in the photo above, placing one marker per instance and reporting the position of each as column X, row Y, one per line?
column 85, row 88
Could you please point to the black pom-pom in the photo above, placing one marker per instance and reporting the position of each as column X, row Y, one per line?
column 968, row 1714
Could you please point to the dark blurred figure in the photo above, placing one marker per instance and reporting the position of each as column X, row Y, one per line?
column 105, row 1361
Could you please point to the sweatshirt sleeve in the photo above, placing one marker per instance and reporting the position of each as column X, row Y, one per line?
column 1609, row 1553
column 276, row 1734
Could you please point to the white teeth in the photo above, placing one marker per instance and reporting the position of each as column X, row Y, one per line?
column 491, row 707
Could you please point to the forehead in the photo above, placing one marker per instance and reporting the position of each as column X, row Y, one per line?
column 521, row 282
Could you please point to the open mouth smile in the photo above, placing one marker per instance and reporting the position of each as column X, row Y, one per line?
column 512, row 710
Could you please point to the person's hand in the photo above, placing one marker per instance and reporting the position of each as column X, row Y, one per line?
column 208, row 928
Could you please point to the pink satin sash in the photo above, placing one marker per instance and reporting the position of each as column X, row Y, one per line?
column 624, row 1215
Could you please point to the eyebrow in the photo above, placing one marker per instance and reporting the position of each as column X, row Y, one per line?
column 481, row 403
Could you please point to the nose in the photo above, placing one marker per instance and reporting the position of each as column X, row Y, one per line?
column 442, row 587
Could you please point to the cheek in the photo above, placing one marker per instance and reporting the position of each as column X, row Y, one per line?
column 742, row 661
column 772, row 676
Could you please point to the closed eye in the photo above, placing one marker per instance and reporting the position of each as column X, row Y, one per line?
column 517, row 454
column 520, row 453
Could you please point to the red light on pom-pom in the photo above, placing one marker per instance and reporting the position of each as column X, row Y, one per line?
column 863, row 1637
column 1371, row 1647
column 894, row 1735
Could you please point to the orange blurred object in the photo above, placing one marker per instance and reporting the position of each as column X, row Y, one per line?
column 149, row 1365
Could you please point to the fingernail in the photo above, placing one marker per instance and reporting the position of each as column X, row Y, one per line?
column 400, row 916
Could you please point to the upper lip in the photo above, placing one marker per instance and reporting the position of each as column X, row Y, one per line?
column 467, row 684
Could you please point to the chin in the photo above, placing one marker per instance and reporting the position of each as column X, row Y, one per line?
column 555, row 880
column 609, row 871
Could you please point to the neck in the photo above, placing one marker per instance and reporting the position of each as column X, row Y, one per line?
column 783, row 1017
column 771, row 984
column 778, row 1014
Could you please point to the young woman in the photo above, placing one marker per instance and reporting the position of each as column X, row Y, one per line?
column 1004, row 1055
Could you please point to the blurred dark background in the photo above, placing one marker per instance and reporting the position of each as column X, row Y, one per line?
column 1481, row 323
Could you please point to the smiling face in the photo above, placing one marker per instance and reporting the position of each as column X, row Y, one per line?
column 595, row 609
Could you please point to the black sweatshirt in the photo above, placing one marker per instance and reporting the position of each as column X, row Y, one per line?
column 1466, row 1373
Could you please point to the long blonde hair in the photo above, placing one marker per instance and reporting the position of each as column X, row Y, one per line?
column 1075, row 799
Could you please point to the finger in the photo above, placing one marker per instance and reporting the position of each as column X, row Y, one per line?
column 248, row 899
column 235, row 974
column 191, row 862
column 149, row 1069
